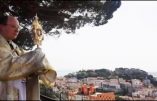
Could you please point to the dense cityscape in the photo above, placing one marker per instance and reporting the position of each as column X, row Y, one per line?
column 108, row 85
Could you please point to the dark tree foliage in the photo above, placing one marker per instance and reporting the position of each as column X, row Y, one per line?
column 70, row 75
column 103, row 72
column 152, row 80
column 132, row 73
column 66, row 15
column 91, row 73
column 81, row 74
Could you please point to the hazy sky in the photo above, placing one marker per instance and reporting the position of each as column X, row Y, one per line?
column 128, row 40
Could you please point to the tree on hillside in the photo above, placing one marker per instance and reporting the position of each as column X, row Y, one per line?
column 131, row 73
column 104, row 73
column 91, row 73
column 81, row 74
column 57, row 15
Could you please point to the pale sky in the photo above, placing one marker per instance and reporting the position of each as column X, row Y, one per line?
column 128, row 40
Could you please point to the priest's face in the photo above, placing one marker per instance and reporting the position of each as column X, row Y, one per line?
column 11, row 29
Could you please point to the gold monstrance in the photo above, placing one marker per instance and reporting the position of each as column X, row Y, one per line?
column 33, row 81
column 37, row 32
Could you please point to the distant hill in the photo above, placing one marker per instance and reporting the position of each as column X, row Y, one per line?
column 125, row 73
